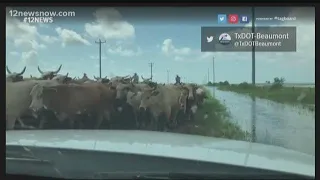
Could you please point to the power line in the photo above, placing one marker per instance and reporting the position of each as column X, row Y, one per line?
column 151, row 67
column 100, row 42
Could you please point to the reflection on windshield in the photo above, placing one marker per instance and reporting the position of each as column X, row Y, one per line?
column 137, row 69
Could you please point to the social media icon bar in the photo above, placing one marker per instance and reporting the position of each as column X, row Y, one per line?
column 222, row 19
column 233, row 18
column 244, row 19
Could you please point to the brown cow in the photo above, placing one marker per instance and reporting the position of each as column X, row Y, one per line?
column 163, row 100
column 69, row 100
column 18, row 99
column 195, row 99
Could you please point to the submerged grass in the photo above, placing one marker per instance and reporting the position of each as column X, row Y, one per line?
column 213, row 119
column 304, row 96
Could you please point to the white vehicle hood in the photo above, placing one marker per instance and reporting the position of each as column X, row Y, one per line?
column 175, row 145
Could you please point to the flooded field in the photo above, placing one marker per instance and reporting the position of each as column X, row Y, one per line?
column 272, row 123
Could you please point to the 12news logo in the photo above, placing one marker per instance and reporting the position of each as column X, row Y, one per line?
column 232, row 19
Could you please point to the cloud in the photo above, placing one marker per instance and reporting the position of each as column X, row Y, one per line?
column 25, row 38
column 48, row 39
column 28, row 45
column 30, row 58
column 109, row 24
column 17, row 29
column 121, row 51
column 169, row 49
column 123, row 48
column 22, row 34
column 97, row 57
column 14, row 53
column 69, row 37
column 183, row 53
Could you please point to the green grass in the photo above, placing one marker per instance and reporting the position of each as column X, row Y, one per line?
column 281, row 94
column 217, row 123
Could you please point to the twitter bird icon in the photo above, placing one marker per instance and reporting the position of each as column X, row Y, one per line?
column 209, row 39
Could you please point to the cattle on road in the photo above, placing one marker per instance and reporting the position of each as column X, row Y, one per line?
column 68, row 100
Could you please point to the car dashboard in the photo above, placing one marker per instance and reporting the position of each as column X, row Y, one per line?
column 85, row 164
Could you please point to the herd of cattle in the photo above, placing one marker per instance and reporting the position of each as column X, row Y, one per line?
column 55, row 101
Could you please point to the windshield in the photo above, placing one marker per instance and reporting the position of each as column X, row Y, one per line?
column 235, row 73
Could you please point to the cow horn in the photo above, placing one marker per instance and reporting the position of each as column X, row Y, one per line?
column 143, row 78
column 106, row 77
column 67, row 74
column 41, row 72
column 23, row 70
column 95, row 77
column 57, row 71
column 125, row 77
column 8, row 70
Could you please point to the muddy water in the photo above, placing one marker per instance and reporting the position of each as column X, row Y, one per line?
column 270, row 122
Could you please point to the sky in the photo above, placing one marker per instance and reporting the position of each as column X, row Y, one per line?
column 169, row 37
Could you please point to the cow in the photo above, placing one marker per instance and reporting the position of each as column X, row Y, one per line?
column 146, row 80
column 68, row 100
column 62, row 78
column 49, row 74
column 102, row 80
column 165, row 101
column 18, row 99
column 124, row 110
column 122, row 91
column 134, row 100
column 117, row 80
column 15, row 77
column 196, row 96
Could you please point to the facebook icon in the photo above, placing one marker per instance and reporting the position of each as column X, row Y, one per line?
column 244, row 19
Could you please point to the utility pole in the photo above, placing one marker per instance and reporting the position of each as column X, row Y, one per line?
column 213, row 75
column 253, row 106
column 168, row 76
column 100, row 42
column 151, row 66
column 253, row 48
column 208, row 76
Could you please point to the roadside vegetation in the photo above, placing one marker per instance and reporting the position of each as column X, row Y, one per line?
column 275, row 91
column 213, row 119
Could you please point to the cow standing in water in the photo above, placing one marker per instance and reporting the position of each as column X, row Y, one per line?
column 67, row 101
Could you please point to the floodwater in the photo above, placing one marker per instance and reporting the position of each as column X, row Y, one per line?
column 270, row 122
